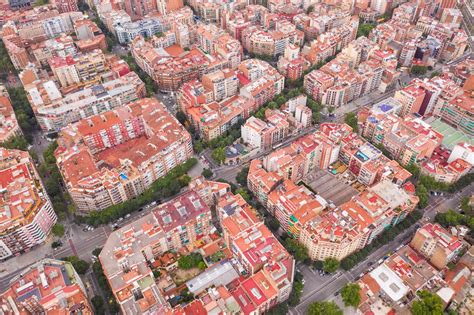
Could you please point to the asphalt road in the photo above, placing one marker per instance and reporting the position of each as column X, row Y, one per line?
column 319, row 288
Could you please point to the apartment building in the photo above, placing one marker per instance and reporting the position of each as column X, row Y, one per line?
column 259, row 41
column 356, row 223
column 293, row 206
column 89, row 36
column 330, row 42
column 53, row 110
column 259, row 81
column 181, row 223
column 16, row 51
column 172, row 66
column 292, row 65
column 9, row 126
column 215, row 41
column 436, row 244
column 261, row 182
column 221, row 83
column 60, row 46
column 26, row 213
column 262, row 135
column 139, row 143
column 184, row 220
column 66, row 5
column 257, row 250
column 341, row 81
column 79, row 70
column 409, row 139
column 125, row 260
column 47, row 286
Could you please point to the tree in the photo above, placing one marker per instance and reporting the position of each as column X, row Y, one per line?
column 207, row 173
column 422, row 193
column 296, row 292
column 181, row 117
column 350, row 294
column 241, row 176
column 219, row 155
column 429, row 303
column 244, row 193
column 299, row 251
column 58, row 230
column 279, row 309
column 96, row 252
column 98, row 303
column 281, row 100
column 434, row 74
column 330, row 265
column 202, row 265
column 17, row 142
column 272, row 223
column 324, row 308
column 364, row 29
column 351, row 120
column 465, row 206
column 79, row 265
column 418, row 70
column 190, row 261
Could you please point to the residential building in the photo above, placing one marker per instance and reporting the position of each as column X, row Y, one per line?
column 356, row 223
column 53, row 110
column 222, row 84
column 167, row 6
column 66, row 5
column 172, row 66
column 262, row 135
column 293, row 206
column 26, row 213
column 256, row 248
column 258, row 41
column 139, row 143
column 259, row 81
column 436, row 244
column 48, row 286
column 81, row 70
column 130, row 251
column 292, row 64
column 9, row 126
column 330, row 42
column 89, row 36
column 215, row 41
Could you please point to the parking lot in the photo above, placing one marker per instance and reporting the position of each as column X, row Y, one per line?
column 330, row 187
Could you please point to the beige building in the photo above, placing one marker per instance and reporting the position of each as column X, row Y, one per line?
column 436, row 244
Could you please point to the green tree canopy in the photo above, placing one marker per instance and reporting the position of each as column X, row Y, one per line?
column 299, row 251
column 190, row 261
column 330, row 265
column 350, row 294
column 218, row 155
column 98, row 303
column 418, row 70
column 351, row 120
column 79, row 265
column 58, row 230
column 364, row 29
column 428, row 304
column 324, row 308
column 207, row 173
